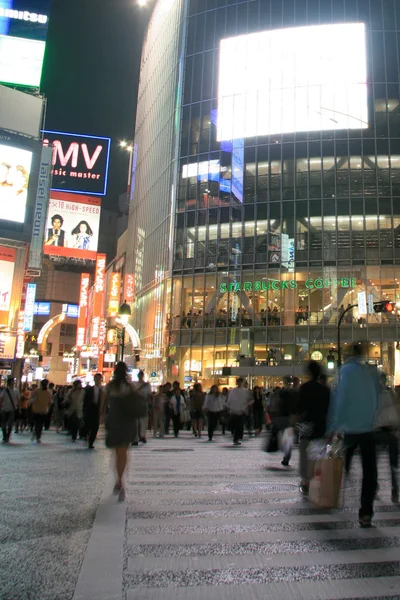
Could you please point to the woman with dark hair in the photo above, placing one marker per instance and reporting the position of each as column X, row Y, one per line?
column 40, row 407
column 82, row 233
column 258, row 410
column 120, row 421
column 312, row 411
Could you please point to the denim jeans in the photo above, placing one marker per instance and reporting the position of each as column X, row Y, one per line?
column 367, row 444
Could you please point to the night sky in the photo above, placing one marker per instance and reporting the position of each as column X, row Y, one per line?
column 91, row 72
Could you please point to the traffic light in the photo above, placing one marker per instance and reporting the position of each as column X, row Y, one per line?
column 384, row 307
column 330, row 359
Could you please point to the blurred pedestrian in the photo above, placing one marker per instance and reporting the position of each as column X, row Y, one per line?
column 224, row 416
column 75, row 408
column 258, row 410
column 312, row 413
column 281, row 410
column 177, row 402
column 22, row 420
column 353, row 411
column 387, row 423
column 238, row 402
column 49, row 415
column 197, row 397
column 167, row 407
column 93, row 408
column 159, row 401
column 212, row 408
column 41, row 401
column 120, row 420
column 59, row 407
column 9, row 403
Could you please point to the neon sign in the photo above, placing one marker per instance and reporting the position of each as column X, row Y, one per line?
column 23, row 15
column 291, row 284
column 80, row 162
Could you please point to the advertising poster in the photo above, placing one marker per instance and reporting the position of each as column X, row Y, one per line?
column 39, row 216
column 7, row 346
column 114, row 295
column 23, row 32
column 83, row 310
column 72, row 226
column 7, row 261
column 15, row 169
column 129, row 288
column 29, row 306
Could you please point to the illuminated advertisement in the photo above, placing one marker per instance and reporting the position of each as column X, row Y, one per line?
column 83, row 310
column 98, row 299
column 113, row 300
column 288, row 80
column 72, row 227
column 7, row 346
column 23, row 31
column 7, row 262
column 80, row 162
column 42, row 309
column 29, row 306
column 15, row 168
column 129, row 288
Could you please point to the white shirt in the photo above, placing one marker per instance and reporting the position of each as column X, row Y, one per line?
column 212, row 403
column 238, row 400
column 6, row 404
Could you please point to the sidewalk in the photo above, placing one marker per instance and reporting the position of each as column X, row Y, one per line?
column 209, row 521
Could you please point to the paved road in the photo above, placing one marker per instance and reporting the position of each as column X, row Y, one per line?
column 202, row 521
column 49, row 494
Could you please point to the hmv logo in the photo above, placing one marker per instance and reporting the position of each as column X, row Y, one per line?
column 79, row 162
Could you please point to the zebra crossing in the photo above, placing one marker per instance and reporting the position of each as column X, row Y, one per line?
column 206, row 520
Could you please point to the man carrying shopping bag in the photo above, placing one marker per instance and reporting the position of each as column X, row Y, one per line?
column 352, row 412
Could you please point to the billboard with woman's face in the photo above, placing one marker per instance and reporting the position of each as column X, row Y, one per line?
column 15, row 168
column 72, row 227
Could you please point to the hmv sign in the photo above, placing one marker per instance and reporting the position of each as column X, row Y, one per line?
column 80, row 162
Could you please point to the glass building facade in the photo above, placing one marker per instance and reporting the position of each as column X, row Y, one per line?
column 271, row 236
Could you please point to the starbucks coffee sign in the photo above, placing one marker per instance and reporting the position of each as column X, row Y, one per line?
column 290, row 284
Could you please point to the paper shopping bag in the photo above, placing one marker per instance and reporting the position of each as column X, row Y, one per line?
column 326, row 483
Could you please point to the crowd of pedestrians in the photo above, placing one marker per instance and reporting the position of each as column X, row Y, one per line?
column 360, row 409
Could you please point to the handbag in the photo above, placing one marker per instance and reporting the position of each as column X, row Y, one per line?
column 325, row 486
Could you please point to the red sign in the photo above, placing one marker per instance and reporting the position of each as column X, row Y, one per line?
column 98, row 297
column 129, row 288
column 114, row 296
column 83, row 310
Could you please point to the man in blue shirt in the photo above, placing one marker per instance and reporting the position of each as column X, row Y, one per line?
column 352, row 413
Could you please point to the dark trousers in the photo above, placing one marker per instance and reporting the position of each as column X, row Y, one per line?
column 39, row 424
column 167, row 418
column 212, row 423
column 92, row 427
column 7, row 421
column 366, row 443
column 176, row 419
column 73, row 425
column 279, row 424
column 237, row 427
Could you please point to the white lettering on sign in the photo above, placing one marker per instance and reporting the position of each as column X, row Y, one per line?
column 83, row 301
column 72, row 155
column 23, row 15
column 100, row 269
column 80, row 336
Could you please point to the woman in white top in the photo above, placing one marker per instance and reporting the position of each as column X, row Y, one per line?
column 212, row 407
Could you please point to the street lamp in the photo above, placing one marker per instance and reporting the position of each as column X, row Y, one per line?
column 129, row 147
column 124, row 314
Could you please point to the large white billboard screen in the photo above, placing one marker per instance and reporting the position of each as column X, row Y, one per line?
column 292, row 80
column 15, row 169
column 21, row 61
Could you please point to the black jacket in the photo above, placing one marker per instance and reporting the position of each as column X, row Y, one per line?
column 91, row 410
column 313, row 407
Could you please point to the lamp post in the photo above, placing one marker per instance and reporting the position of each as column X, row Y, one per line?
column 124, row 313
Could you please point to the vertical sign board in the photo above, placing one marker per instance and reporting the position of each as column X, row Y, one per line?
column 370, row 304
column 113, row 300
column 29, row 306
column 39, row 216
column 362, row 303
column 7, row 262
column 99, row 298
column 129, row 288
column 83, row 308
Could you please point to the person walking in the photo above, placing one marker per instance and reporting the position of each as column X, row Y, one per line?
column 238, row 403
column 212, row 407
column 387, row 423
column 41, row 402
column 223, row 418
column 281, row 412
column 22, row 421
column 144, row 389
column 59, row 408
column 159, row 401
column 49, row 415
column 353, row 411
column 121, row 395
column 93, row 407
column 167, row 407
column 258, row 410
column 75, row 408
column 312, row 414
column 9, row 403
column 197, row 397
column 177, row 402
